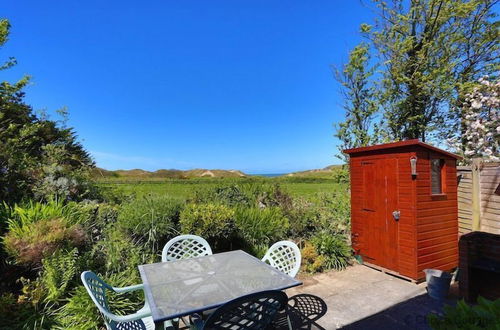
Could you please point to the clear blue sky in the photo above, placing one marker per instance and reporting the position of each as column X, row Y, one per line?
column 189, row 84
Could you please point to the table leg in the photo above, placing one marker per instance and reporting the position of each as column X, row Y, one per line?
column 166, row 325
column 159, row 326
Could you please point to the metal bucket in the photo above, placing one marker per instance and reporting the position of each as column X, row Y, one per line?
column 438, row 283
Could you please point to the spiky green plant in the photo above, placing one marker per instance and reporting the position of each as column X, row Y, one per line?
column 484, row 315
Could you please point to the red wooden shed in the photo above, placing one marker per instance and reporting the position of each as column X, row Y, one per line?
column 404, row 215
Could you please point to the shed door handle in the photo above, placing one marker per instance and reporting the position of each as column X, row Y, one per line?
column 396, row 214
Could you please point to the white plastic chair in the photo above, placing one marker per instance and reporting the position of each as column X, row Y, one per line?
column 97, row 288
column 284, row 256
column 185, row 247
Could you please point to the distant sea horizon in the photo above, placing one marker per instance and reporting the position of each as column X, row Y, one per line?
column 270, row 175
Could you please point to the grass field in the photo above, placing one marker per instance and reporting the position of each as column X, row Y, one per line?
column 182, row 188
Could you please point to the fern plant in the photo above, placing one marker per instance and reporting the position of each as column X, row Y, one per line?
column 59, row 271
column 484, row 315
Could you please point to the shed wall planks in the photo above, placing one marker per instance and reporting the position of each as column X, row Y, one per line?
column 427, row 230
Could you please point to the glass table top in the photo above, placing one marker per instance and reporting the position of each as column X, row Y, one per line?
column 179, row 288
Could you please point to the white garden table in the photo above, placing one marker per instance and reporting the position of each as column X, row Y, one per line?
column 180, row 288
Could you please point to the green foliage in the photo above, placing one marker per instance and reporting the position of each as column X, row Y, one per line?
column 360, row 101
column 260, row 227
column 80, row 312
column 59, row 270
column 38, row 230
column 39, row 157
column 21, row 315
column 312, row 262
column 428, row 55
column 150, row 219
column 214, row 222
column 230, row 194
column 325, row 211
column 117, row 252
column 484, row 315
column 341, row 174
column 334, row 248
column 333, row 211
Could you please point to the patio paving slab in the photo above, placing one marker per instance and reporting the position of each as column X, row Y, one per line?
column 363, row 298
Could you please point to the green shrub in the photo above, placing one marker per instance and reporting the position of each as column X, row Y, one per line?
column 303, row 218
column 312, row 262
column 485, row 315
column 59, row 271
column 214, row 222
column 20, row 315
column 36, row 229
column 102, row 216
column 5, row 214
column 329, row 212
column 150, row 219
column 341, row 174
column 264, row 194
column 249, row 193
column 334, row 248
column 80, row 312
column 118, row 252
column 261, row 226
column 231, row 195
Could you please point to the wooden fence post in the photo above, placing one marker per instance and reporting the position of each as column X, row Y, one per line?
column 476, row 194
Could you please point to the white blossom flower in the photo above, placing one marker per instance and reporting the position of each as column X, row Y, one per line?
column 476, row 104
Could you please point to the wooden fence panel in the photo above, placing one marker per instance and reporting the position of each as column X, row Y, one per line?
column 479, row 197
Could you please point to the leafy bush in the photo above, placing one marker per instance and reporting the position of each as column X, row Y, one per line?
column 334, row 248
column 485, row 315
column 231, row 194
column 117, row 252
column 332, row 211
column 80, row 312
column 214, row 222
column 59, row 270
column 36, row 229
column 251, row 193
column 261, row 226
column 303, row 218
column 39, row 229
column 263, row 194
column 341, row 174
column 312, row 262
column 20, row 315
column 150, row 219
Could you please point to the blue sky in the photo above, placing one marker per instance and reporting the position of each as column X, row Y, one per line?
column 189, row 84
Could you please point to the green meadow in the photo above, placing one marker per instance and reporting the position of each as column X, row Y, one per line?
column 183, row 188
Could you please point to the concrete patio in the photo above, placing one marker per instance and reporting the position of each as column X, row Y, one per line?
column 362, row 298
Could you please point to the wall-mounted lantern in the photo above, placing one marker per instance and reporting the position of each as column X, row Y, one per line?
column 413, row 163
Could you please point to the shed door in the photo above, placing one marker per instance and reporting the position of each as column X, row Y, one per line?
column 380, row 199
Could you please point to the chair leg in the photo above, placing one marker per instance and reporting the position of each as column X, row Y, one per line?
column 288, row 321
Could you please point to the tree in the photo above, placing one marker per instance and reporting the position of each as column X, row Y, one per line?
column 432, row 49
column 481, row 109
column 38, row 157
column 359, row 101
column 430, row 54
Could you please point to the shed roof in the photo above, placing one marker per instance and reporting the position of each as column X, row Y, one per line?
column 415, row 142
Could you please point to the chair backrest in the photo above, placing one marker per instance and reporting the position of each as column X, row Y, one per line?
column 185, row 247
column 97, row 288
column 284, row 256
column 254, row 311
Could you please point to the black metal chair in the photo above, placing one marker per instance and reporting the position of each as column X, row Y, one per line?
column 253, row 311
